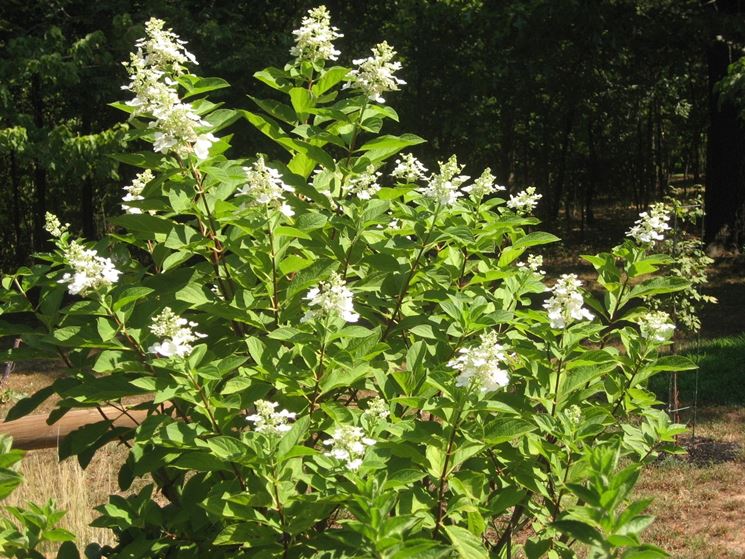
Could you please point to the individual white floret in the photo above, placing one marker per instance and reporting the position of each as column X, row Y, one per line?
column 409, row 169
column 91, row 272
column 375, row 75
column 377, row 409
column 651, row 225
column 566, row 305
column 348, row 444
column 177, row 334
column 485, row 184
column 331, row 299
column 483, row 366
column 574, row 414
column 265, row 187
column 268, row 421
column 444, row 186
column 365, row 185
column 134, row 191
column 53, row 226
column 534, row 263
column 162, row 48
column 524, row 202
column 656, row 326
column 314, row 40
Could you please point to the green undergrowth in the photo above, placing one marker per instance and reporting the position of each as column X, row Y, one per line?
column 721, row 371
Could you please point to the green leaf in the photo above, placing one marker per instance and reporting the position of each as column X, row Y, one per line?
column 277, row 110
column 293, row 264
column 301, row 100
column 287, row 231
column 536, row 238
column 228, row 448
column 131, row 295
column 658, row 286
column 335, row 378
column 329, row 78
column 465, row 543
column 195, row 85
column 580, row 531
column 145, row 223
column 275, row 78
column 293, row 436
column 27, row 405
column 505, row 429
column 270, row 128
column 383, row 147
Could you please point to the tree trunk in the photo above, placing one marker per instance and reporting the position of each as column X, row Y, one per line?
column 507, row 144
column 592, row 176
column 725, row 165
column 558, row 190
column 40, row 172
column 86, row 197
column 15, row 180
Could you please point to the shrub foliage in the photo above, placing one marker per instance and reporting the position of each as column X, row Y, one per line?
column 341, row 353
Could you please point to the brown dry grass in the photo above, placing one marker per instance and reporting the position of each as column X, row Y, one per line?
column 73, row 489
column 699, row 501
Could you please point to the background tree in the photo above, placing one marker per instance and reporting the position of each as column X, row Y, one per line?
column 591, row 102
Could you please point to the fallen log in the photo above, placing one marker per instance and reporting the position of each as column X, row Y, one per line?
column 33, row 432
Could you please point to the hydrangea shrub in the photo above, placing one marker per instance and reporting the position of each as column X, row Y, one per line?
column 342, row 353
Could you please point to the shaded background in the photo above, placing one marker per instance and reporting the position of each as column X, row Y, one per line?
column 591, row 101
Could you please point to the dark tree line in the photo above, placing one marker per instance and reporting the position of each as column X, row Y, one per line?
column 588, row 100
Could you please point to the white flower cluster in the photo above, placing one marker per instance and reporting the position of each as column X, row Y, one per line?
column 409, row 168
column 333, row 299
column 566, row 304
column 314, row 40
column 53, row 226
column 443, row 187
column 176, row 332
column 651, row 225
column 268, row 421
column 573, row 414
column 656, row 326
column 265, row 186
column 134, row 191
column 90, row 271
column 377, row 409
column 375, row 75
column 482, row 365
column 365, row 185
column 534, row 263
column 348, row 444
column 485, row 184
column 524, row 202
column 163, row 49
column 159, row 57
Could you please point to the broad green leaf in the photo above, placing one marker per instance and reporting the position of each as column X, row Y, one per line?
column 383, row 147
column 465, row 543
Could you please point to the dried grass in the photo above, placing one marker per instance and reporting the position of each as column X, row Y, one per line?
column 73, row 489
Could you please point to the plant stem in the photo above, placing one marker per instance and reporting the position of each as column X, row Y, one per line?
column 410, row 275
column 319, row 371
column 440, row 514
column 280, row 508
column 275, row 279
column 213, row 421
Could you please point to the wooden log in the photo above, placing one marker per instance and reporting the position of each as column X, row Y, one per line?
column 32, row 432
